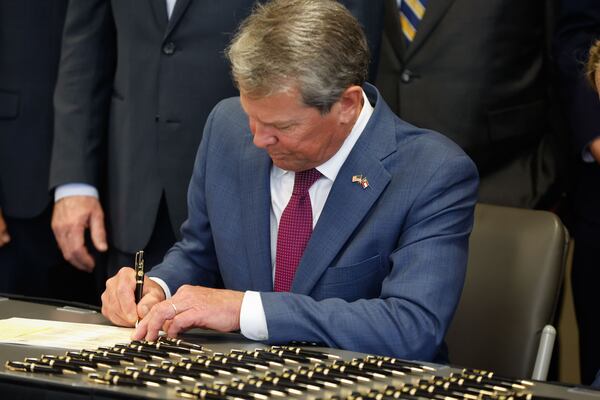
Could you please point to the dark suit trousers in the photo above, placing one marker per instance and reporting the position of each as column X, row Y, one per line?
column 160, row 242
column 585, row 277
column 31, row 263
column 586, row 268
column 586, row 296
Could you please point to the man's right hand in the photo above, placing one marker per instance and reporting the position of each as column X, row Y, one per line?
column 118, row 300
column 595, row 149
column 71, row 217
column 4, row 236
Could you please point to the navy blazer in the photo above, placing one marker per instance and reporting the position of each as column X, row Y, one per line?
column 385, row 266
column 30, row 35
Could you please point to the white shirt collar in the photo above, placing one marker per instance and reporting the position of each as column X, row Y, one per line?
column 330, row 168
column 170, row 7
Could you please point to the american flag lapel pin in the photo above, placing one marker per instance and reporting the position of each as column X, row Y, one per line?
column 361, row 180
column 364, row 183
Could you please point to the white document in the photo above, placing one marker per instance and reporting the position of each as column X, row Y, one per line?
column 64, row 335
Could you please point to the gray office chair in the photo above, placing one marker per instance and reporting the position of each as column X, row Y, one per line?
column 514, row 276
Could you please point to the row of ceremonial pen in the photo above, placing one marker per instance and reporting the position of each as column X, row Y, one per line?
column 183, row 362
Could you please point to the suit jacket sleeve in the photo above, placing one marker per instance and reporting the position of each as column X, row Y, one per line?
column 83, row 92
column 419, row 295
column 578, row 27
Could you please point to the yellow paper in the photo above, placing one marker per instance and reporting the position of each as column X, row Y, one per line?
column 65, row 335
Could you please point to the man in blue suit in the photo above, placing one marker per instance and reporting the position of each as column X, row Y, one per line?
column 391, row 207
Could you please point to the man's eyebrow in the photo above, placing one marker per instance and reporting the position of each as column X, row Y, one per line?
column 285, row 122
column 279, row 122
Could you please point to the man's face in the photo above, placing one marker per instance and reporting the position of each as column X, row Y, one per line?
column 297, row 137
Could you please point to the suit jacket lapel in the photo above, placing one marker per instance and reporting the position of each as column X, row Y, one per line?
column 434, row 13
column 348, row 201
column 159, row 9
column 256, row 196
column 178, row 11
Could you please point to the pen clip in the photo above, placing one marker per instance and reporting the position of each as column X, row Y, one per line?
column 139, row 266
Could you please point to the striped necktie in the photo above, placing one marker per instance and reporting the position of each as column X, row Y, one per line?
column 411, row 13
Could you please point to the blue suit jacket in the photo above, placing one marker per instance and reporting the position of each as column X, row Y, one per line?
column 385, row 265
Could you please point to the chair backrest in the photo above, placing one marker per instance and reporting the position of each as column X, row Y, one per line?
column 514, row 276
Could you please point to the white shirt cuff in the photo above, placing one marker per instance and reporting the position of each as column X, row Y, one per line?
column 163, row 285
column 74, row 189
column 253, row 322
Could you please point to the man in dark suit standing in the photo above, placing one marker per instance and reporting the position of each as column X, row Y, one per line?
column 30, row 261
column 578, row 29
column 477, row 72
column 136, row 83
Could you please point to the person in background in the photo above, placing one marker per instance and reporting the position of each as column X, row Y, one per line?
column 330, row 220
column 30, row 262
column 479, row 72
column 593, row 76
column 135, row 85
column 577, row 30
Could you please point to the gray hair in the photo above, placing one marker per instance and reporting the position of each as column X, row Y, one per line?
column 316, row 46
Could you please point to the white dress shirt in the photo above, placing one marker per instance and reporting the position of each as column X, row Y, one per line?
column 170, row 7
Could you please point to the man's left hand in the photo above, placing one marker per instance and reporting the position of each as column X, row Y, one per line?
column 192, row 307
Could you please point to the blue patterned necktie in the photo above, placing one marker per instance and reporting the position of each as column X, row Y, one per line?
column 411, row 13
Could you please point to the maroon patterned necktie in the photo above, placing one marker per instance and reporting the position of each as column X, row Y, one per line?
column 295, row 228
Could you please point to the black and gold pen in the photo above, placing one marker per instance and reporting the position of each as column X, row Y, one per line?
column 35, row 367
column 108, row 379
column 139, row 278
column 139, row 275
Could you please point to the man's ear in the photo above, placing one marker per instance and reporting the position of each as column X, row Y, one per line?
column 351, row 103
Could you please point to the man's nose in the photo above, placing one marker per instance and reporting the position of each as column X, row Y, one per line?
column 263, row 134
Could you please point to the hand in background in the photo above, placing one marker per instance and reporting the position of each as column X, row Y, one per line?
column 71, row 217
column 595, row 149
column 118, row 300
column 193, row 307
column 4, row 236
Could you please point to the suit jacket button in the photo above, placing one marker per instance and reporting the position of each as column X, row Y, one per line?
column 168, row 48
column 406, row 76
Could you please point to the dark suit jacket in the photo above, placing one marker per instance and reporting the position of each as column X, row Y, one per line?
column 578, row 28
column 143, row 116
column 30, row 34
column 476, row 72
column 384, row 268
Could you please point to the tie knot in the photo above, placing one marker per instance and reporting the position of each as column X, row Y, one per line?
column 304, row 180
